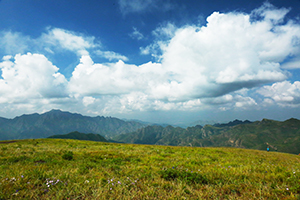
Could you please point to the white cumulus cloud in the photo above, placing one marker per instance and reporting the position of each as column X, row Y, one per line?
column 283, row 93
column 30, row 76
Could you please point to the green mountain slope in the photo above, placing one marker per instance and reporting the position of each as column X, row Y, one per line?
column 58, row 122
column 81, row 136
column 279, row 136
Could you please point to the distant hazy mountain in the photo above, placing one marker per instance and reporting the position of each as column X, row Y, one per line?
column 147, row 123
column 57, row 122
column 281, row 136
column 81, row 136
column 201, row 122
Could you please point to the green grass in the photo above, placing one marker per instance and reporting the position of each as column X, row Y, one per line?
column 72, row 169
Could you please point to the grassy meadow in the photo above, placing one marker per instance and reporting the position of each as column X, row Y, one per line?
column 73, row 169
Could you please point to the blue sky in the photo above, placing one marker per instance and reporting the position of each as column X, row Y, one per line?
column 160, row 61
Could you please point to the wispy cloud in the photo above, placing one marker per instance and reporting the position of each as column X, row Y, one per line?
column 162, row 34
column 69, row 40
column 13, row 42
column 110, row 55
column 136, row 34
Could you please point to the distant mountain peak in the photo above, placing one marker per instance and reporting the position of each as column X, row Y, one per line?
column 292, row 119
column 59, row 113
column 55, row 111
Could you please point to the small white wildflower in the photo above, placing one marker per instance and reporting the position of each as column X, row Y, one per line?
column 287, row 188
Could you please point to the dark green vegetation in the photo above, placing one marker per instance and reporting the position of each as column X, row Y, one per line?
column 279, row 136
column 81, row 136
column 74, row 169
column 233, row 123
column 57, row 122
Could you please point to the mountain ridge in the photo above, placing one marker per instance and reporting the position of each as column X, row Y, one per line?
column 282, row 136
column 56, row 122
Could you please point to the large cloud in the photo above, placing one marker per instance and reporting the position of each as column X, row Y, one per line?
column 233, row 51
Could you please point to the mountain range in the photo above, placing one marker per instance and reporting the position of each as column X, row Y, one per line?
column 57, row 122
column 278, row 136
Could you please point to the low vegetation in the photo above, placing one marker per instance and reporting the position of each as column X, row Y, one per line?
column 74, row 169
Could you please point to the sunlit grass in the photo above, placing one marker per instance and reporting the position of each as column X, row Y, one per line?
column 70, row 169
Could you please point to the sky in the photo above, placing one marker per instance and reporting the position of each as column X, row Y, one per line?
column 166, row 61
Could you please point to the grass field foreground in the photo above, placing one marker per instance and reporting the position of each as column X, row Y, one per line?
column 73, row 169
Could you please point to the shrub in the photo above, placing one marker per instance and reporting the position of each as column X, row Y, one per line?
column 186, row 176
column 68, row 155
